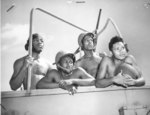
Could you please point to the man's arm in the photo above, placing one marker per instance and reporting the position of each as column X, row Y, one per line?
column 79, row 78
column 50, row 81
column 20, row 72
column 101, row 81
column 83, row 78
column 140, row 80
column 79, row 63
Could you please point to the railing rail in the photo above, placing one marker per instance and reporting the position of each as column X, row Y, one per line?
column 30, row 38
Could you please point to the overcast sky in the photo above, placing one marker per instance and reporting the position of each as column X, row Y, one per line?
column 131, row 16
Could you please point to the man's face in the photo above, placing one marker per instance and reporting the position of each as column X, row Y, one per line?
column 38, row 44
column 88, row 43
column 67, row 62
column 119, row 51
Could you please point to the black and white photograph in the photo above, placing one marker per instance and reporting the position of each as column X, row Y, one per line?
column 75, row 57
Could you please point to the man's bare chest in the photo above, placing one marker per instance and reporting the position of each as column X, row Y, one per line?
column 39, row 68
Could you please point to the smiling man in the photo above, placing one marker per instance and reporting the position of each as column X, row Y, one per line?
column 66, row 75
column 120, row 69
column 40, row 66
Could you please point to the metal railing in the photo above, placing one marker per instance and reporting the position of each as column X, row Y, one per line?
column 67, row 22
column 30, row 38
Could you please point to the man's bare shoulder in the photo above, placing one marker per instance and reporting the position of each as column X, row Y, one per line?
column 107, row 59
column 129, row 59
column 80, row 60
column 53, row 72
column 129, row 56
column 96, row 56
column 78, row 70
column 20, row 60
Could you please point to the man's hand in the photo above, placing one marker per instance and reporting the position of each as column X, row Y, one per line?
column 120, row 79
column 28, row 61
column 129, row 81
column 72, row 90
column 64, row 83
column 68, row 85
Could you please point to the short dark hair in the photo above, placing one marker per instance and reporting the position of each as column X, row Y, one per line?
column 116, row 39
column 35, row 35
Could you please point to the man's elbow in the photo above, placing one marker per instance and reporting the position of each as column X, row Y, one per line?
column 92, row 82
column 41, row 85
column 140, row 82
column 98, row 84
column 38, row 85
column 13, row 86
column 143, row 82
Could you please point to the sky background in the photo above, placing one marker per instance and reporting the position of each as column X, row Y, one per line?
column 131, row 16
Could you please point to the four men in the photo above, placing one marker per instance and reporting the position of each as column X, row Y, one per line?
column 119, row 69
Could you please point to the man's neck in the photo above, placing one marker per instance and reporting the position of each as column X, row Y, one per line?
column 36, row 56
column 88, row 53
column 117, row 61
column 65, row 75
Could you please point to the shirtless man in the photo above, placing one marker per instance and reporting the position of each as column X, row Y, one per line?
column 66, row 76
column 120, row 69
column 90, row 61
column 40, row 66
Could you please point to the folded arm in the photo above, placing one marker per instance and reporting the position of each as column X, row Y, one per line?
column 50, row 81
column 102, row 81
column 139, row 81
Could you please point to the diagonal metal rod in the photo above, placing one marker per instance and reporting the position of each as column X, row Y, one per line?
column 61, row 19
column 30, row 39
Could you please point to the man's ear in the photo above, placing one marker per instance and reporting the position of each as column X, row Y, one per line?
column 126, row 46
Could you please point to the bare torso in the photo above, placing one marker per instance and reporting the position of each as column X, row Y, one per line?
column 40, row 68
column 90, row 64
column 113, row 66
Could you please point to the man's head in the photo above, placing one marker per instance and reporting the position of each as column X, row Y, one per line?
column 118, row 48
column 37, row 43
column 86, row 41
column 65, row 60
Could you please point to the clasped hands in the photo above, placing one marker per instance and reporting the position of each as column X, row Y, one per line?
column 68, row 85
column 124, row 80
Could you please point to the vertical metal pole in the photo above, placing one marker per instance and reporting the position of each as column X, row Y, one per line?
column 30, row 51
column 97, row 24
